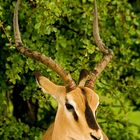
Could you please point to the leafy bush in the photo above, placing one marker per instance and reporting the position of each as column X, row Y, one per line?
column 62, row 29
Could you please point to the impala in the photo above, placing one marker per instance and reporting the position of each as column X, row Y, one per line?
column 75, row 118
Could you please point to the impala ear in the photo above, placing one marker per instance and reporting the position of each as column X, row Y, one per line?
column 49, row 87
column 83, row 77
column 92, row 97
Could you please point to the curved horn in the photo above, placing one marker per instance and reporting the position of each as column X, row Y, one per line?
column 66, row 77
column 108, row 54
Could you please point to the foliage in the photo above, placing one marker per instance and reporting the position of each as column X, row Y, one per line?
column 62, row 29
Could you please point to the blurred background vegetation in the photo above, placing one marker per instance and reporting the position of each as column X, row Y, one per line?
column 62, row 29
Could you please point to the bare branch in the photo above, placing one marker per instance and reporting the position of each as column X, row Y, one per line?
column 66, row 77
column 108, row 54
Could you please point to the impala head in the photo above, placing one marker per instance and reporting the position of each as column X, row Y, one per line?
column 76, row 109
column 77, row 104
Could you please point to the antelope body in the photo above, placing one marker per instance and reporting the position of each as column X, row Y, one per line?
column 75, row 118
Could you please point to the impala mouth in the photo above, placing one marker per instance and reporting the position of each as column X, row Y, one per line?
column 95, row 138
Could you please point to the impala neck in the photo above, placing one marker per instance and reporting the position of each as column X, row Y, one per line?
column 61, row 129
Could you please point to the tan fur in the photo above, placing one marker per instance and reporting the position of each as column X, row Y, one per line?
column 64, row 126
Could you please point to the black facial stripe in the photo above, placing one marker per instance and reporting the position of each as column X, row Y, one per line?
column 90, row 118
column 75, row 116
column 89, row 114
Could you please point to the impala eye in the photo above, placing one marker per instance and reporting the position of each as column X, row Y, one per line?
column 72, row 110
column 69, row 107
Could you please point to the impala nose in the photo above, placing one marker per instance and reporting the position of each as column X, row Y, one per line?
column 95, row 137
